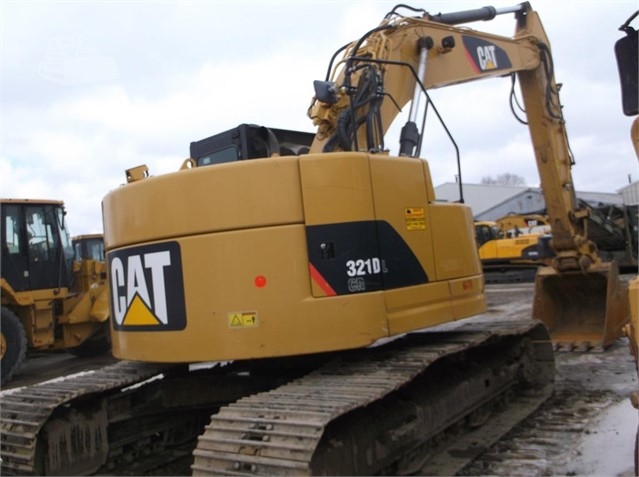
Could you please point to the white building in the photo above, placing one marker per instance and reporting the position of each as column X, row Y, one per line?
column 630, row 193
column 490, row 202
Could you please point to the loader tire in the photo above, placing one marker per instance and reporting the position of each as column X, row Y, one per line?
column 14, row 344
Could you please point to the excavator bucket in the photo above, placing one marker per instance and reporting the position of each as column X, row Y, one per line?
column 582, row 311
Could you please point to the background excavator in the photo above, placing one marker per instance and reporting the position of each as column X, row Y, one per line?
column 322, row 278
column 513, row 247
column 52, row 299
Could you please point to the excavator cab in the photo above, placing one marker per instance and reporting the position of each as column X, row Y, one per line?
column 249, row 141
column 487, row 231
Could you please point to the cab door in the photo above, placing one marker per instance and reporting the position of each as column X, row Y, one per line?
column 15, row 263
column 48, row 267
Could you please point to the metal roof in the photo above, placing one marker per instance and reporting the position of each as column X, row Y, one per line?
column 482, row 198
column 479, row 197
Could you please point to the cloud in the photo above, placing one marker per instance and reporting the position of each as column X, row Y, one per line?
column 77, row 149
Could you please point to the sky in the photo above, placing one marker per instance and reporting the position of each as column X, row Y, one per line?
column 90, row 89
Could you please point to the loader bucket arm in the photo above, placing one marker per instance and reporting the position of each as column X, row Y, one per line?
column 582, row 311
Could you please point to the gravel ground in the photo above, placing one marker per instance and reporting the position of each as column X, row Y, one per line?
column 586, row 428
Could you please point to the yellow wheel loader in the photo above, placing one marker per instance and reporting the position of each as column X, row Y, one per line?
column 296, row 304
column 50, row 300
column 89, row 247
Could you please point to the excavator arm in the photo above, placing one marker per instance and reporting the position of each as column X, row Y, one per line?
column 397, row 63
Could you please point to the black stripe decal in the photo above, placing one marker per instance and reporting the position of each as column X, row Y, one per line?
column 356, row 257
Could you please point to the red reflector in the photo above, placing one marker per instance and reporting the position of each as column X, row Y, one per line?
column 260, row 281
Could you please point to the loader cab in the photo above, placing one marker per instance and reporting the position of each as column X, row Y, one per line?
column 89, row 247
column 36, row 246
column 249, row 141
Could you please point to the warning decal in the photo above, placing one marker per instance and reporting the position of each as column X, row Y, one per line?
column 242, row 319
column 415, row 218
column 139, row 314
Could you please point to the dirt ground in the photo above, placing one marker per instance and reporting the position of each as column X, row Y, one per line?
column 586, row 428
column 39, row 367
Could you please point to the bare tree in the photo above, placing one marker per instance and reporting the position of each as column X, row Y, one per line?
column 504, row 179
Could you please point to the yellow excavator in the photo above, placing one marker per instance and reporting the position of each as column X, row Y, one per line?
column 292, row 304
column 513, row 247
column 52, row 299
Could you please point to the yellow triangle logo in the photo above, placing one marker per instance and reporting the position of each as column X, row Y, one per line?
column 489, row 65
column 139, row 314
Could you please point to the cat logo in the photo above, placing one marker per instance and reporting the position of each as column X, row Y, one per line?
column 147, row 289
column 485, row 56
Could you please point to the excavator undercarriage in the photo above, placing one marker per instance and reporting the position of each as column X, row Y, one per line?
column 421, row 404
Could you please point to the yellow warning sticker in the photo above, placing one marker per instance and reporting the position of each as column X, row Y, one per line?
column 139, row 314
column 415, row 218
column 242, row 319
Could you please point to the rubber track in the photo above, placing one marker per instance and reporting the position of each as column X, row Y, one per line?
column 277, row 432
column 25, row 411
